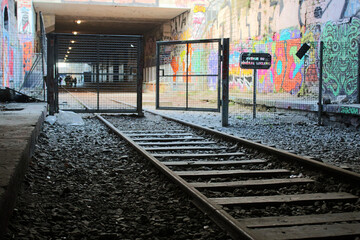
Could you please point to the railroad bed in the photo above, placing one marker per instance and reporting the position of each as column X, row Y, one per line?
column 248, row 189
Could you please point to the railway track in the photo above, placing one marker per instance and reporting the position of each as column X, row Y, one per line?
column 247, row 188
column 242, row 189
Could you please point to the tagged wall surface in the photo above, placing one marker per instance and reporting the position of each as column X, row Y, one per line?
column 280, row 27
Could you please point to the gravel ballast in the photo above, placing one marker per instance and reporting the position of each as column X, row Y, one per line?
column 332, row 143
column 84, row 183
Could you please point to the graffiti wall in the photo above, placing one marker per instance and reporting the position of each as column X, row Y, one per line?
column 280, row 27
column 17, row 42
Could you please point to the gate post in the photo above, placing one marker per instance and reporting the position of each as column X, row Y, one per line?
column 157, row 83
column 225, row 83
column 358, row 78
column 139, row 83
column 320, row 106
column 50, row 81
column 254, row 93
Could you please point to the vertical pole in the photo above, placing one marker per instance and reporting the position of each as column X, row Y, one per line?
column 320, row 83
column 42, row 38
column 157, row 75
column 358, row 80
column 140, row 69
column 219, row 77
column 225, row 83
column 56, row 82
column 187, row 76
column 50, row 75
column 254, row 93
column 97, row 74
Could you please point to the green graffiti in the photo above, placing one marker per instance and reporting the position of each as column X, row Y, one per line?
column 350, row 110
column 340, row 59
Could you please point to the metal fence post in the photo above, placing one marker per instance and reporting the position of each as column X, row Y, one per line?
column 254, row 93
column 187, row 77
column 97, row 74
column 50, row 75
column 358, row 81
column 157, row 75
column 225, row 83
column 320, row 84
column 56, row 82
column 140, row 74
column 42, row 50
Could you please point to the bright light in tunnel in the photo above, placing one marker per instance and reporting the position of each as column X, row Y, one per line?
column 78, row 21
column 72, row 41
column 75, row 33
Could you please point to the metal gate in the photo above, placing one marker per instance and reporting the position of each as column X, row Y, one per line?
column 98, row 73
column 188, row 75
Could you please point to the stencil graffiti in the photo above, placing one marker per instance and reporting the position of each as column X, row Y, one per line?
column 340, row 73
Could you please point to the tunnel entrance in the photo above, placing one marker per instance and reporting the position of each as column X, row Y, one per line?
column 97, row 73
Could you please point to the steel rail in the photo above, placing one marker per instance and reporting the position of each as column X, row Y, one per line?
column 282, row 154
column 233, row 227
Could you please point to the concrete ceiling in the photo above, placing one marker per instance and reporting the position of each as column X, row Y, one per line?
column 106, row 19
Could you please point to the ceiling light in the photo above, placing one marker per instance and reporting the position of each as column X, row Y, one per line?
column 70, row 48
column 75, row 33
column 72, row 41
column 68, row 52
column 66, row 55
column 78, row 21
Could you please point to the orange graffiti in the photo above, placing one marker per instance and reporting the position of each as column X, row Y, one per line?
column 27, row 56
column 175, row 67
column 292, row 82
column 280, row 61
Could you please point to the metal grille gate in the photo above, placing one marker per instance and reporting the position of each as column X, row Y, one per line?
column 188, row 75
column 98, row 73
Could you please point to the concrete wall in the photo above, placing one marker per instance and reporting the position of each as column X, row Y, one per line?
column 278, row 27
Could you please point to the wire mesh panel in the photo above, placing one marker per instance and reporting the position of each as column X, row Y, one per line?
column 20, row 65
column 99, row 72
column 290, row 83
column 188, row 74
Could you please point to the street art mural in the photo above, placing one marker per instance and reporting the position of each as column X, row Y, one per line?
column 280, row 27
column 25, row 25
column 7, row 51
column 341, row 54
column 17, row 43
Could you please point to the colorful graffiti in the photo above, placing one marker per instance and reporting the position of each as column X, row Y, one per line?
column 266, row 26
column 286, row 72
column 350, row 110
column 126, row 2
column 341, row 54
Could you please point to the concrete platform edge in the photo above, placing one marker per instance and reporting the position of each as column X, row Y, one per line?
column 8, row 197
